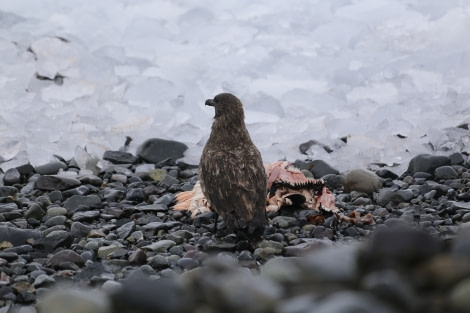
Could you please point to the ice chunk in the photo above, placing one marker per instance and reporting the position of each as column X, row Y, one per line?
column 71, row 89
column 379, row 92
column 54, row 56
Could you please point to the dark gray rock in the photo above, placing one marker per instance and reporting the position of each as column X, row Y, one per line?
column 187, row 263
column 17, row 236
column 424, row 175
column 80, row 190
column 136, row 194
column 285, row 221
column 91, row 201
column 54, row 240
column 304, row 147
column 386, row 195
column 323, row 232
column 156, row 150
column 79, row 230
column 158, row 262
column 386, row 173
column 445, row 172
column 25, row 169
column 65, row 256
column 8, row 207
column 168, row 180
column 55, row 196
column 456, row 158
column 333, row 181
column 392, row 287
column 406, row 194
column 6, row 191
column 120, row 157
column 141, row 294
column 165, row 199
column 55, row 220
column 320, row 168
column 125, row 230
column 137, row 257
column 85, row 216
column 398, row 246
column 426, row 163
column 113, row 195
column 56, row 182
column 9, row 256
column 50, row 168
column 12, row 176
column 90, row 179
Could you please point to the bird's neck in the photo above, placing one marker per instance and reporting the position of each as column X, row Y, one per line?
column 232, row 128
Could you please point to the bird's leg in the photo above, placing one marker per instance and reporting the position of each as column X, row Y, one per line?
column 216, row 217
column 245, row 242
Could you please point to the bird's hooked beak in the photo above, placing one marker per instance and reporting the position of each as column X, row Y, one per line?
column 210, row 102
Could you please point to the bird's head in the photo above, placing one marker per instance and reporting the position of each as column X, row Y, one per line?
column 227, row 107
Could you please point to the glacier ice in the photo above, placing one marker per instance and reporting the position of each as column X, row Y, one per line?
column 390, row 76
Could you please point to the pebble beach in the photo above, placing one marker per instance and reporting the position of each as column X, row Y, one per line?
column 102, row 236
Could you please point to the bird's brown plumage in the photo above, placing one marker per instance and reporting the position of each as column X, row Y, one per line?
column 231, row 171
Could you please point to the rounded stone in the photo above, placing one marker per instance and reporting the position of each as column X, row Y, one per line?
column 320, row 168
column 80, row 230
column 155, row 150
column 362, row 181
column 445, row 172
column 426, row 163
column 35, row 211
column 12, row 176
column 50, row 168
column 55, row 220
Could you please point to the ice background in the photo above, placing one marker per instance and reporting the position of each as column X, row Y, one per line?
column 391, row 76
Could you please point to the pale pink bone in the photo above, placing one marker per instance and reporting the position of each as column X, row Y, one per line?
column 281, row 171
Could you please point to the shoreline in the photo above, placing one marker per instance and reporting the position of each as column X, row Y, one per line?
column 113, row 232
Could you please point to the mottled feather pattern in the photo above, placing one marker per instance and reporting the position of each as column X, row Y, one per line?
column 232, row 175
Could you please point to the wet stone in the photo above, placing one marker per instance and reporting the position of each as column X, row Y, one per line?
column 426, row 163
column 91, row 201
column 137, row 195
column 55, row 220
column 50, row 168
column 321, row 168
column 158, row 262
column 85, row 216
column 187, row 263
column 120, row 157
column 8, row 207
column 17, row 236
column 445, row 172
column 12, row 176
column 125, row 230
column 80, row 190
column 156, row 150
column 6, row 191
column 285, row 221
column 79, row 230
column 160, row 246
column 323, row 232
column 168, row 180
column 56, row 182
column 65, row 256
